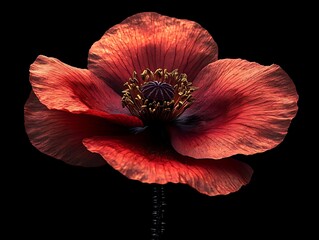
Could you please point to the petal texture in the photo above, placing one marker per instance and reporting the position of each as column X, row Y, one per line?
column 60, row 86
column 240, row 107
column 139, row 159
column 150, row 40
column 59, row 134
column 63, row 87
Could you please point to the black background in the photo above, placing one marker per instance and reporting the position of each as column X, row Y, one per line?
column 46, row 198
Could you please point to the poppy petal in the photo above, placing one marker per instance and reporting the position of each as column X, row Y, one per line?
column 59, row 134
column 150, row 40
column 138, row 159
column 240, row 107
column 63, row 87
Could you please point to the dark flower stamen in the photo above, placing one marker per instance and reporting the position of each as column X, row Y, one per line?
column 158, row 96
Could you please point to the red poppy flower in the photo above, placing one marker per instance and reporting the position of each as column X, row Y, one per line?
column 157, row 105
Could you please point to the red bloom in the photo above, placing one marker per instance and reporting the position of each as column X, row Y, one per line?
column 157, row 105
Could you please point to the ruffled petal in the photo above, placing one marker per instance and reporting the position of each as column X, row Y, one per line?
column 139, row 159
column 240, row 107
column 150, row 40
column 59, row 134
column 63, row 87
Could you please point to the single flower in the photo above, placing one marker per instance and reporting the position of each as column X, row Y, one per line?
column 157, row 105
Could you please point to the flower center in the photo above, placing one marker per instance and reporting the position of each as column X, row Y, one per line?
column 159, row 96
column 158, row 91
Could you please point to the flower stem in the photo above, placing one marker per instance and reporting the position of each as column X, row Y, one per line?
column 159, row 204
